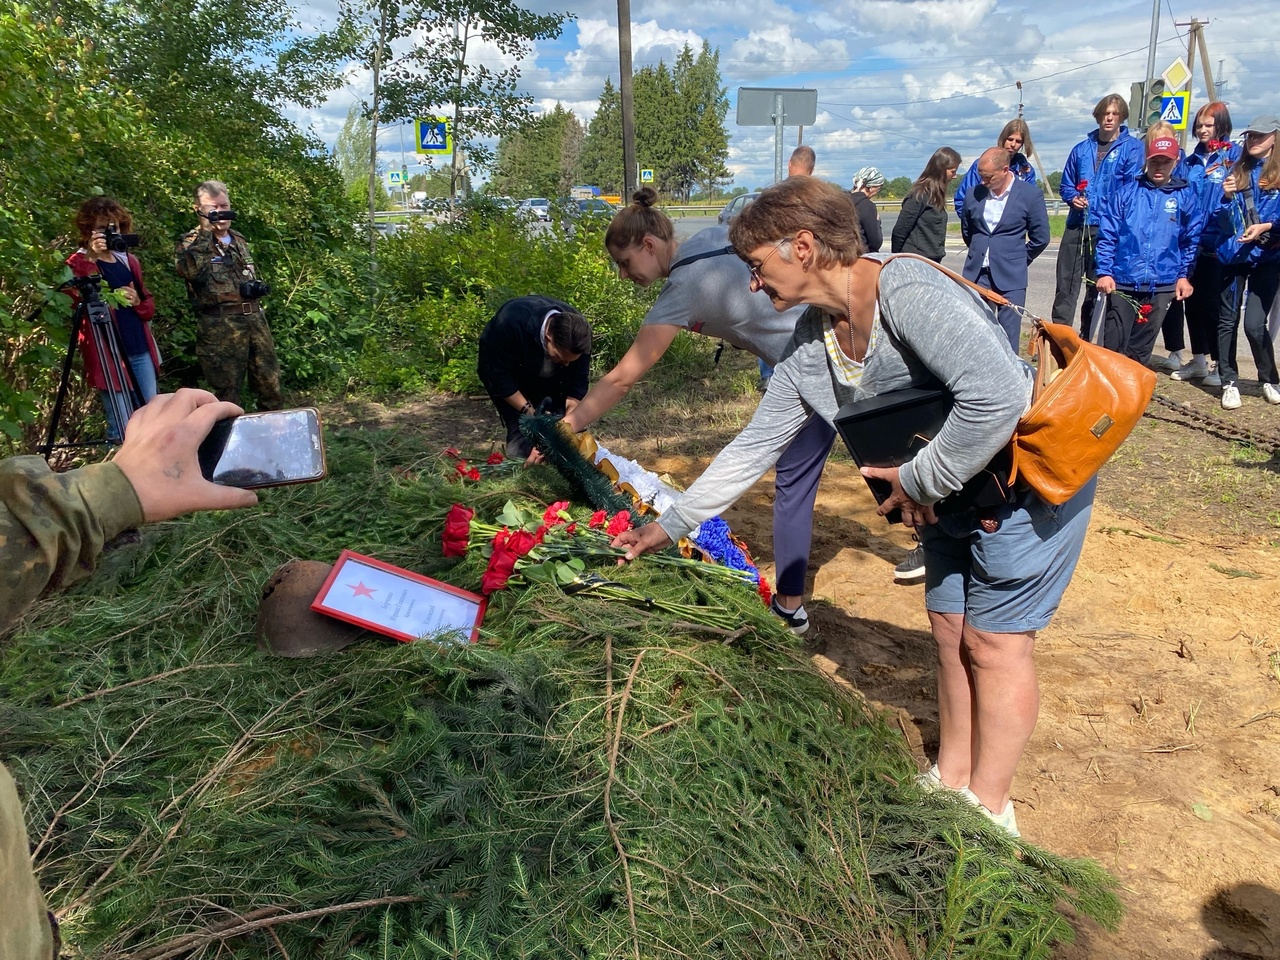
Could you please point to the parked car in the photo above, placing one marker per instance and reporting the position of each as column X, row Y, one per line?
column 536, row 207
column 735, row 207
column 593, row 207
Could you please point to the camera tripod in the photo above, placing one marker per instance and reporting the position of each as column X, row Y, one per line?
column 121, row 401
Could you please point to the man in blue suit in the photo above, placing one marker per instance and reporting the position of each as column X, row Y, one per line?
column 1005, row 226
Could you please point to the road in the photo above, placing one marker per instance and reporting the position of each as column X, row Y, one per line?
column 1041, row 274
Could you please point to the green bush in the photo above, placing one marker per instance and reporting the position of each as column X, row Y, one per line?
column 442, row 284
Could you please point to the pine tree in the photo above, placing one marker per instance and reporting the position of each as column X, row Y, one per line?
column 601, row 158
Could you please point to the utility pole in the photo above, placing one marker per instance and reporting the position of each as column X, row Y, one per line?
column 627, row 94
column 1195, row 42
column 1151, row 54
column 1043, row 181
column 373, row 131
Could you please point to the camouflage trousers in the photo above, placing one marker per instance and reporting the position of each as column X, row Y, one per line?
column 230, row 346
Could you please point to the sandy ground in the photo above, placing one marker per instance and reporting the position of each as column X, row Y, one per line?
column 1158, row 746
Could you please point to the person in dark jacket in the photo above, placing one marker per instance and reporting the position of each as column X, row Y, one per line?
column 1005, row 225
column 921, row 226
column 535, row 355
column 1015, row 137
column 867, row 182
column 1147, row 241
column 1097, row 166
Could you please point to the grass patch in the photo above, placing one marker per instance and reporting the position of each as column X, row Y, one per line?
column 589, row 780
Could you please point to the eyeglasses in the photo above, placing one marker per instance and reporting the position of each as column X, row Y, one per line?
column 755, row 269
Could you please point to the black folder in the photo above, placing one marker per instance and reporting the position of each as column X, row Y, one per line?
column 890, row 429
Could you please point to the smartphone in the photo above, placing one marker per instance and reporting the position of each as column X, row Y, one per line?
column 269, row 449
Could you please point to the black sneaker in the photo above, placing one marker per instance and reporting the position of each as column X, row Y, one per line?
column 797, row 620
column 911, row 568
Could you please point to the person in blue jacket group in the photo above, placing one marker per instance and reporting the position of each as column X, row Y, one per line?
column 1207, row 165
column 1249, row 221
column 1098, row 164
column 1149, row 231
column 1015, row 137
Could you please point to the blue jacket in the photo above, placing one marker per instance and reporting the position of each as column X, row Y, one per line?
column 1149, row 236
column 1019, row 237
column 1123, row 163
column 1230, row 221
column 1018, row 164
column 1206, row 170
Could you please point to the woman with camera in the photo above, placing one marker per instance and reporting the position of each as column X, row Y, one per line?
column 993, row 578
column 104, row 226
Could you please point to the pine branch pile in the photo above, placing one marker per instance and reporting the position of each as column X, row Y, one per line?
column 588, row 781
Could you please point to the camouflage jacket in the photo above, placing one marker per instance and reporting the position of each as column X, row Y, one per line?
column 53, row 526
column 213, row 270
column 25, row 933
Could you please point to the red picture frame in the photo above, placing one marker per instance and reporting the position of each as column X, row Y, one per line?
column 420, row 600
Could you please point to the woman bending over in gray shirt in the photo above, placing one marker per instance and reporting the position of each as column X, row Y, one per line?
column 872, row 327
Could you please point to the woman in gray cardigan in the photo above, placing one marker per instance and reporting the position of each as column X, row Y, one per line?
column 991, row 581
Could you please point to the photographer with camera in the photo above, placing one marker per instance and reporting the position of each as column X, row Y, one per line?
column 104, row 225
column 232, row 336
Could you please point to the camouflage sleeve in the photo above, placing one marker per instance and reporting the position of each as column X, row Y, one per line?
column 53, row 525
column 193, row 254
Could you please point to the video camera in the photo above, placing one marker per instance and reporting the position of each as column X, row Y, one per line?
column 254, row 289
column 119, row 242
column 218, row 216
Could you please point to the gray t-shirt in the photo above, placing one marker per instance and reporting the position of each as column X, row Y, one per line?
column 932, row 331
column 712, row 296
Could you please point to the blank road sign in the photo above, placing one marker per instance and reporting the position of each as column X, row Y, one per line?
column 757, row 106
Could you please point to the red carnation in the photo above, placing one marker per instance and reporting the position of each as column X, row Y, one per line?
column 598, row 519
column 453, row 452
column 1219, row 144
column 572, row 528
column 540, row 534
column 621, row 521
column 495, row 457
column 1144, row 313
column 763, row 589
column 1082, row 186
column 457, row 530
column 552, row 515
column 461, row 467
column 473, row 474
column 501, row 565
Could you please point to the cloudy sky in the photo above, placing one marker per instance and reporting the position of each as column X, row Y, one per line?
column 895, row 78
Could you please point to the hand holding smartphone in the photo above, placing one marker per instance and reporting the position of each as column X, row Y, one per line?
column 270, row 449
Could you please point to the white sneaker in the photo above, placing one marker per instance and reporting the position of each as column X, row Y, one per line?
column 1195, row 370
column 931, row 781
column 1230, row 397
column 1270, row 393
column 1212, row 378
column 1005, row 819
column 1172, row 362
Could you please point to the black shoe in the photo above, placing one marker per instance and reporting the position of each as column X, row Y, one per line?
column 797, row 620
column 911, row 568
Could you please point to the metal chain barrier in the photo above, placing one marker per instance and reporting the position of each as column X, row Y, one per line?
column 1218, row 426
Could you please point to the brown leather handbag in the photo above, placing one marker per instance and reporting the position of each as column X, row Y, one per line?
column 1086, row 400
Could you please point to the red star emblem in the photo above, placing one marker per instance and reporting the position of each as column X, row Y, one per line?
column 360, row 590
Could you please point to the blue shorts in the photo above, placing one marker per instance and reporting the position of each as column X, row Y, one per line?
column 1010, row 581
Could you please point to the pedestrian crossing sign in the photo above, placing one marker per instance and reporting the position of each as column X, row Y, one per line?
column 1173, row 109
column 432, row 135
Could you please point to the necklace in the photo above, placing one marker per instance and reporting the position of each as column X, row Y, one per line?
column 848, row 305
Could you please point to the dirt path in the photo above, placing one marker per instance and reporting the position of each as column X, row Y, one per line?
column 1158, row 747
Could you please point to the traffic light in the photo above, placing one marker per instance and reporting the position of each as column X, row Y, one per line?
column 1154, row 102
column 1137, row 91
